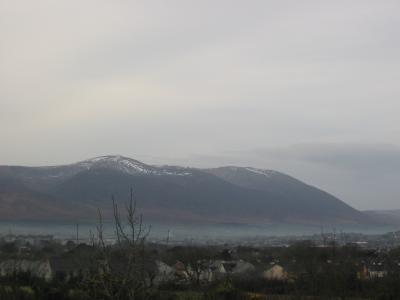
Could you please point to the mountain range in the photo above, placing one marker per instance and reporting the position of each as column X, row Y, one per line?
column 241, row 195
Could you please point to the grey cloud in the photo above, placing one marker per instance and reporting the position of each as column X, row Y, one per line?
column 352, row 157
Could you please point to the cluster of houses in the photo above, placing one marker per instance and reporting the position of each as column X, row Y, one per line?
column 37, row 268
column 205, row 271
column 28, row 239
column 373, row 271
column 179, row 273
column 228, row 263
column 23, row 244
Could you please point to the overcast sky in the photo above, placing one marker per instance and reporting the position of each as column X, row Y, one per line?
column 310, row 88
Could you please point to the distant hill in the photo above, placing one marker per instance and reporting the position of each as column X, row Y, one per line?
column 220, row 195
column 391, row 217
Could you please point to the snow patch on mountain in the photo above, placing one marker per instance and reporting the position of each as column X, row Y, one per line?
column 131, row 166
column 267, row 173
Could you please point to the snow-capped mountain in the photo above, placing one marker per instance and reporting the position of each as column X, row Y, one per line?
column 225, row 194
column 131, row 166
column 43, row 177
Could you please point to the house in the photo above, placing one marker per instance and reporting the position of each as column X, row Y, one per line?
column 242, row 266
column 164, row 272
column 377, row 273
column 37, row 268
column 219, row 268
column 67, row 268
column 33, row 240
column 372, row 271
column 206, row 274
column 181, row 272
column 277, row 272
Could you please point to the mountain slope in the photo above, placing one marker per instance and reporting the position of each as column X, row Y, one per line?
column 227, row 194
column 17, row 201
column 300, row 199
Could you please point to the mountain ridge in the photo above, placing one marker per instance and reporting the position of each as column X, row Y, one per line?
column 224, row 194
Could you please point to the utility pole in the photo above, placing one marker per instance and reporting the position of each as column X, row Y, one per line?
column 77, row 233
column 323, row 237
column 169, row 231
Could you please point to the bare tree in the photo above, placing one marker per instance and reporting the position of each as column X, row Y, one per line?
column 196, row 261
column 121, row 268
